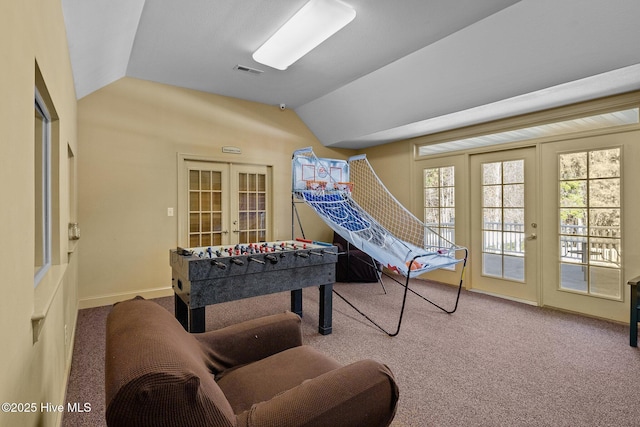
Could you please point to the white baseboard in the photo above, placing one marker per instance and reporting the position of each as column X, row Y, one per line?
column 523, row 301
column 110, row 299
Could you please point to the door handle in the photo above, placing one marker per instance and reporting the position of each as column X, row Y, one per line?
column 532, row 236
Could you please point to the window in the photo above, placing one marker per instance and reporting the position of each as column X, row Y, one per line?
column 205, row 207
column 252, row 206
column 439, row 203
column 598, row 121
column 503, row 239
column 590, row 228
column 42, row 188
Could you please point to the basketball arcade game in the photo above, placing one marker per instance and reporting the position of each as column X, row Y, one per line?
column 350, row 198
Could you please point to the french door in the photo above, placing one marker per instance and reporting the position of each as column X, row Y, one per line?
column 504, row 227
column 223, row 204
column 591, row 226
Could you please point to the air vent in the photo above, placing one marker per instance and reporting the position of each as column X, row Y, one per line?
column 246, row 69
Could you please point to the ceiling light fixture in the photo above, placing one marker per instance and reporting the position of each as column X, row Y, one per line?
column 314, row 23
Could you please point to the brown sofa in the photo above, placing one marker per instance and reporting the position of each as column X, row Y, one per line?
column 256, row 373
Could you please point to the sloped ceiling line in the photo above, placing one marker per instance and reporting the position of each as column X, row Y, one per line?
column 397, row 71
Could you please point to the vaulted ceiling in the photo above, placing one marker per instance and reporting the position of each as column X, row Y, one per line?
column 401, row 69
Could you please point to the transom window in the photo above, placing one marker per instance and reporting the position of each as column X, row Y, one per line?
column 598, row 121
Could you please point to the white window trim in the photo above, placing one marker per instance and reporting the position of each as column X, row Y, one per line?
column 41, row 107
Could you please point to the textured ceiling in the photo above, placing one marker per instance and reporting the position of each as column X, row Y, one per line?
column 400, row 69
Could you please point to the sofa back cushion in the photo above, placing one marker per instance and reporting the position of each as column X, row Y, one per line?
column 155, row 372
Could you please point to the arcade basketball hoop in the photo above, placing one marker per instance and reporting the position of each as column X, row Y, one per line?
column 316, row 185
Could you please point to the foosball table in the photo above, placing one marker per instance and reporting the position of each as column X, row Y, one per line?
column 210, row 275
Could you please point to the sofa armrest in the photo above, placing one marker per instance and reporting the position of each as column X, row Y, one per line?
column 251, row 340
column 363, row 393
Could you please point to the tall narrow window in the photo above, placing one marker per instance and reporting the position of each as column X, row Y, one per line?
column 503, row 240
column 42, row 188
column 205, row 207
column 590, row 227
column 252, row 207
column 439, row 203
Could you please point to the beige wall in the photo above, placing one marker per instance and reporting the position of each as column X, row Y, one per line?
column 393, row 163
column 130, row 135
column 33, row 32
column 402, row 174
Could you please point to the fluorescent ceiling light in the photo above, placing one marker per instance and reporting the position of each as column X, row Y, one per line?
column 314, row 23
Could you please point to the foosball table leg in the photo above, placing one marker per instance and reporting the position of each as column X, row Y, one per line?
column 296, row 302
column 326, row 309
column 191, row 319
column 181, row 311
column 196, row 320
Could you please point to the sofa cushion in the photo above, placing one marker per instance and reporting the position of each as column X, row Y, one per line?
column 361, row 394
column 155, row 373
column 260, row 381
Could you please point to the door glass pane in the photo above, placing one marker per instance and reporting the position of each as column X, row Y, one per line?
column 216, row 181
column 216, row 201
column 432, row 178
column 513, row 171
column 492, row 219
column 216, row 221
column 605, row 282
column 492, row 242
column 492, row 173
column 194, row 222
column 492, row 196
column 590, row 227
column 513, row 195
column 243, row 225
column 205, row 202
column 573, row 166
column 604, row 192
column 194, row 201
column 206, row 180
column 573, row 277
column 514, row 268
column 206, row 222
column 432, row 197
column 503, row 219
column 604, row 163
column 491, row 265
column 573, row 194
column 194, row 180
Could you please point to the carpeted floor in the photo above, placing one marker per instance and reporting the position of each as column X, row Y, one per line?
column 492, row 363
